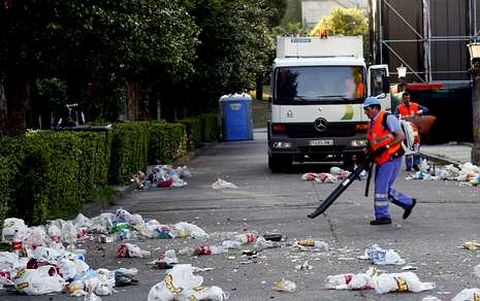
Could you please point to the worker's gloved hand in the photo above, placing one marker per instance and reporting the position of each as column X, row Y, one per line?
column 379, row 151
column 419, row 112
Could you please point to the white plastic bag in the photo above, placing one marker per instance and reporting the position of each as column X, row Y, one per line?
column 12, row 224
column 179, row 279
column 284, row 285
column 401, row 282
column 381, row 256
column 468, row 294
column 213, row 293
column 106, row 282
column 194, row 230
column 222, row 184
column 41, row 281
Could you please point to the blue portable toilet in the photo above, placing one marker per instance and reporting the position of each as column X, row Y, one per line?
column 236, row 114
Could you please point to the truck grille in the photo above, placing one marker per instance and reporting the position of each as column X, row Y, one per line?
column 307, row 130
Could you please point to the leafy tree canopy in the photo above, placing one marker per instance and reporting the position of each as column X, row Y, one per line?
column 342, row 21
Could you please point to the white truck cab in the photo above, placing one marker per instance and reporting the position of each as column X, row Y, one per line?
column 318, row 86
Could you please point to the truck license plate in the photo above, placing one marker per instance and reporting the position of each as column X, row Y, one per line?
column 320, row 142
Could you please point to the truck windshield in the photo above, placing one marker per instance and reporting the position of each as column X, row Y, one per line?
column 319, row 84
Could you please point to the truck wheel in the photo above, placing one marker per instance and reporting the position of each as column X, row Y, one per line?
column 279, row 163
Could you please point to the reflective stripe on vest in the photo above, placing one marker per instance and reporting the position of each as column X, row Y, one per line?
column 379, row 136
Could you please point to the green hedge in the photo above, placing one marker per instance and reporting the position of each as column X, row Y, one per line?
column 54, row 172
column 7, row 173
column 210, row 127
column 47, row 175
column 129, row 152
column 168, row 142
column 193, row 126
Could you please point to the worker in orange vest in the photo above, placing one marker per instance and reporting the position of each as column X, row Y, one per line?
column 384, row 143
column 406, row 109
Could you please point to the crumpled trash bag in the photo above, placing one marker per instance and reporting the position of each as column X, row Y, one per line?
column 320, row 177
column 46, row 254
column 349, row 281
column 468, row 294
column 12, row 224
column 41, row 281
column 125, row 276
column 81, row 221
column 179, row 279
column 284, row 285
column 70, row 268
column 125, row 250
column 122, row 216
column 35, row 237
column 381, row 256
column 106, row 282
column 471, row 245
column 103, row 222
column 181, row 284
column 401, row 282
column 222, row 184
column 193, row 230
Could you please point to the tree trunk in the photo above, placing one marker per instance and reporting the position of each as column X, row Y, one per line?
column 133, row 101
column 17, row 92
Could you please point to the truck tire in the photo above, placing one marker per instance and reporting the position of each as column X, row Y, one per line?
column 279, row 164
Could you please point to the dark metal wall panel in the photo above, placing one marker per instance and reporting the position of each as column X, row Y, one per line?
column 449, row 18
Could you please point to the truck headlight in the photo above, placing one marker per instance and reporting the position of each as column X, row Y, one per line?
column 359, row 143
column 280, row 144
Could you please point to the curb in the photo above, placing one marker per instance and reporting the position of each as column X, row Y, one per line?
column 440, row 159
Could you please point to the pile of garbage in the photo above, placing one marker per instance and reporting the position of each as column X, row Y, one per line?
column 336, row 174
column 46, row 259
column 466, row 173
column 161, row 176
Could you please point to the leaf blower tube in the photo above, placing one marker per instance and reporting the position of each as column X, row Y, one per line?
column 366, row 165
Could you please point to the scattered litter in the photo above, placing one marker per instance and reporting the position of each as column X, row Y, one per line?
column 128, row 250
column 467, row 173
column 468, row 294
column 40, row 281
column 430, row 298
column 471, row 245
column 181, row 284
column 409, row 268
column 401, row 282
column 310, row 244
column 303, row 267
column 222, row 184
column 359, row 281
column 161, row 176
column 381, row 256
column 284, row 285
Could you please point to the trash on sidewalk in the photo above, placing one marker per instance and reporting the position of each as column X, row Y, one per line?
column 284, row 285
column 401, row 282
column 181, row 284
column 40, row 281
column 471, row 245
column 311, row 245
column 467, row 173
column 380, row 256
column 468, row 294
column 350, row 281
column 161, row 176
column 222, row 184
column 128, row 250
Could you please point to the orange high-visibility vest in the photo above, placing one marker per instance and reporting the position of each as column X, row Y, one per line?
column 379, row 136
column 410, row 111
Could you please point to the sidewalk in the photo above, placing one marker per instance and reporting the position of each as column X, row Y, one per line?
column 450, row 153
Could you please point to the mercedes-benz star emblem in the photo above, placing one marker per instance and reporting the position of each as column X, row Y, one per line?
column 321, row 124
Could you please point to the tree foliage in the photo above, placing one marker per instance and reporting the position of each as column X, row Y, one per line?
column 342, row 21
column 96, row 47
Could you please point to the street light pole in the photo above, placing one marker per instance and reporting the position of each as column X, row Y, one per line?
column 474, row 49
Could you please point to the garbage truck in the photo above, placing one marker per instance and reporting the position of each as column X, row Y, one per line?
column 317, row 88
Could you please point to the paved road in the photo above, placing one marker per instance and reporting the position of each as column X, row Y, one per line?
column 446, row 216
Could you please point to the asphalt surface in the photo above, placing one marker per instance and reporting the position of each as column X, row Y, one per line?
column 445, row 217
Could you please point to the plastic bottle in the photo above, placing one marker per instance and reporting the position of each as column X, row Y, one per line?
column 316, row 244
column 246, row 237
column 338, row 281
column 17, row 243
